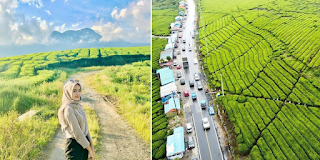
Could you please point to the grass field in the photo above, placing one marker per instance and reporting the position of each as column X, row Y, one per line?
column 268, row 55
column 129, row 88
column 35, row 82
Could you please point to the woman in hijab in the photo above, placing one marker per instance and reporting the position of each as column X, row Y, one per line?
column 74, row 123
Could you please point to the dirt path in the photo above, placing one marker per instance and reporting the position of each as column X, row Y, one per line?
column 117, row 139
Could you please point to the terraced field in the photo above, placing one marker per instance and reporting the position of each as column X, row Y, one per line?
column 159, row 120
column 268, row 54
column 161, row 20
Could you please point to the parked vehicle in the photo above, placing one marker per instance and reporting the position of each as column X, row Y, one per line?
column 199, row 84
column 203, row 104
column 179, row 74
column 180, row 35
column 185, row 62
column 190, row 49
column 188, row 127
column 190, row 142
column 178, row 67
column 175, row 62
column 178, row 52
column 186, row 93
column 184, row 40
column 183, row 48
column 205, row 123
column 192, row 35
column 194, row 96
column 182, row 81
column 211, row 110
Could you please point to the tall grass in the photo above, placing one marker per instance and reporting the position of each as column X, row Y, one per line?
column 128, row 87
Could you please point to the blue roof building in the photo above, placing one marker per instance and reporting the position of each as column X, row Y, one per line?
column 172, row 107
column 166, row 75
column 175, row 144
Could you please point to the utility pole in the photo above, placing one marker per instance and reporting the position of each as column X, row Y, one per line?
column 174, row 102
column 222, row 84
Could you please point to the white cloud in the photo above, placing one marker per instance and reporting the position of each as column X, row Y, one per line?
column 14, row 27
column 48, row 12
column 60, row 28
column 21, row 30
column 134, row 21
column 37, row 3
column 77, row 24
column 51, row 23
column 140, row 3
column 53, row 0
column 121, row 14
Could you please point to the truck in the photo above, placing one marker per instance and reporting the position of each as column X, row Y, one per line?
column 185, row 62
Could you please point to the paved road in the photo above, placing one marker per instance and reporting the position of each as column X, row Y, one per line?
column 207, row 139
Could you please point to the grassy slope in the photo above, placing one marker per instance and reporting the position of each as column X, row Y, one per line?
column 129, row 87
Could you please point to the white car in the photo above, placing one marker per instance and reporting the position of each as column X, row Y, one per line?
column 195, row 61
column 184, row 40
column 175, row 62
column 189, row 127
column 205, row 123
column 190, row 49
column 196, row 77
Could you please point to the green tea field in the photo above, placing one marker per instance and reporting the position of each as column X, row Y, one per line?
column 268, row 55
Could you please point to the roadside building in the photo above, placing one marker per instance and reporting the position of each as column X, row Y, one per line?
column 166, row 75
column 172, row 108
column 163, row 61
column 169, row 46
column 175, row 147
column 178, row 18
column 168, row 91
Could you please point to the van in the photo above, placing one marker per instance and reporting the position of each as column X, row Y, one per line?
column 199, row 84
column 190, row 142
column 188, row 127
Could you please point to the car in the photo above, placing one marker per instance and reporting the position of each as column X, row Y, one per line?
column 190, row 142
column 194, row 158
column 179, row 74
column 203, row 104
column 184, row 40
column 180, row 35
column 195, row 60
column 179, row 67
column 191, row 83
column 196, row 77
column 178, row 52
column 182, row 81
column 199, row 84
column 175, row 62
column 183, row 48
column 186, row 93
column 180, row 29
column 188, row 127
column 192, row 35
column 190, row 49
column 194, row 96
column 205, row 123
column 211, row 110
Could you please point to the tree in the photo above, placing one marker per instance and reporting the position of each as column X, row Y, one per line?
column 168, row 58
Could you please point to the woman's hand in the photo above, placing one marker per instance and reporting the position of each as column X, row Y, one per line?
column 91, row 145
column 91, row 152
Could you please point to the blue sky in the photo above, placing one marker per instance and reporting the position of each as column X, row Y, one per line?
column 32, row 21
